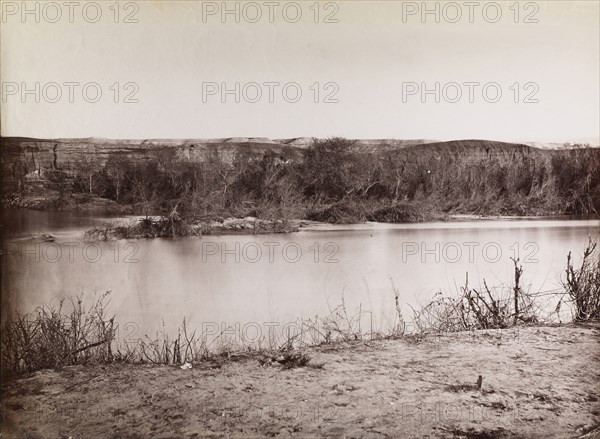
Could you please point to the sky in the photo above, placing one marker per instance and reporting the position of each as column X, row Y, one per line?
column 526, row 71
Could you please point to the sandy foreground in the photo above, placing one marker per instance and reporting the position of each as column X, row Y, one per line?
column 538, row 382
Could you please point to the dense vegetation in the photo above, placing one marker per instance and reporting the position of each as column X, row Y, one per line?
column 339, row 182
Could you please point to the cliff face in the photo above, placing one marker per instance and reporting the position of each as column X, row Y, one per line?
column 36, row 157
column 70, row 154
column 477, row 151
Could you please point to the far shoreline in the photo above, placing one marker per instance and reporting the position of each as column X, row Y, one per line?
column 239, row 226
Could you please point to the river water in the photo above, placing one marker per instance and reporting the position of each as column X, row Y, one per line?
column 231, row 281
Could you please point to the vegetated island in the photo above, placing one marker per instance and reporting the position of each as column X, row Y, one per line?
column 257, row 185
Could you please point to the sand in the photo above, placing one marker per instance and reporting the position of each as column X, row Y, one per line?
column 538, row 382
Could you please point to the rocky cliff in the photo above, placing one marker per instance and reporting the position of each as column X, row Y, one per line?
column 35, row 157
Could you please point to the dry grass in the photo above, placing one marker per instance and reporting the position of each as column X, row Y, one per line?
column 57, row 335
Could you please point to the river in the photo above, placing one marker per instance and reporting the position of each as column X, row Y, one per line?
column 245, row 281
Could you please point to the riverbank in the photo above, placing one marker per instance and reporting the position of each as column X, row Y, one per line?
column 153, row 227
column 53, row 201
column 538, row 382
column 342, row 212
column 126, row 222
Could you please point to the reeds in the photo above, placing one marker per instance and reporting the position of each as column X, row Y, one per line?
column 58, row 335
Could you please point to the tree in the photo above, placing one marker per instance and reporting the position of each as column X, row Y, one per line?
column 117, row 168
column 87, row 168
column 327, row 168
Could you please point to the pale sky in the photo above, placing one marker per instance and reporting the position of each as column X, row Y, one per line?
column 178, row 49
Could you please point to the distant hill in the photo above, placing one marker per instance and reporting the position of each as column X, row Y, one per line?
column 24, row 155
column 378, row 179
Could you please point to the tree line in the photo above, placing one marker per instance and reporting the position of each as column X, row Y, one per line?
column 336, row 181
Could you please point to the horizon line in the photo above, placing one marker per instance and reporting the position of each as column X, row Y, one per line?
column 225, row 139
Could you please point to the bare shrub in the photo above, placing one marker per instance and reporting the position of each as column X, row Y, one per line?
column 55, row 336
column 169, row 226
column 583, row 284
column 401, row 212
column 342, row 212
column 487, row 308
